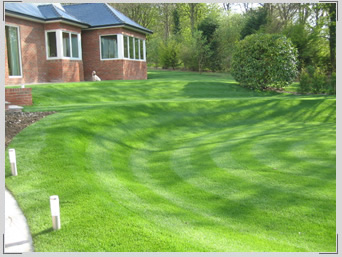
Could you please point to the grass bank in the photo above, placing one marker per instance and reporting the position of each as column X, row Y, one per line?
column 179, row 162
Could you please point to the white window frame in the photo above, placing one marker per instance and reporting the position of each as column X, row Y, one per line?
column 59, row 45
column 118, row 45
column 141, row 41
column 19, row 45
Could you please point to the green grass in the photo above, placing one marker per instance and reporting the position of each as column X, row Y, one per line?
column 179, row 162
column 294, row 87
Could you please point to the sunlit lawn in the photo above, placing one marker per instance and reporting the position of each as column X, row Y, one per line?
column 178, row 162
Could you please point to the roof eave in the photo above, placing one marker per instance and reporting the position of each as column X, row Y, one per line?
column 67, row 21
column 41, row 20
column 24, row 16
column 145, row 31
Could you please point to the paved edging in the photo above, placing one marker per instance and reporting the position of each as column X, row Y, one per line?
column 17, row 234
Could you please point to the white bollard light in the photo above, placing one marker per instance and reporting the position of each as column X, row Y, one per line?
column 13, row 162
column 23, row 86
column 54, row 206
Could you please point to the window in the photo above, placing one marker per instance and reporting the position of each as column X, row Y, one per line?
column 137, row 41
column 109, row 47
column 74, row 45
column 52, row 44
column 66, row 44
column 141, row 50
column 63, row 45
column 131, row 47
column 13, row 50
column 126, row 47
column 121, row 47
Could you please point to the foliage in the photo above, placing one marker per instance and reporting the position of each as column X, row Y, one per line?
column 314, row 80
column 208, row 28
column 310, row 26
column 169, row 54
column 228, row 35
column 195, row 52
column 255, row 19
column 176, row 22
column 263, row 60
column 153, row 51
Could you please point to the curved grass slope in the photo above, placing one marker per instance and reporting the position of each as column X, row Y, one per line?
column 157, row 166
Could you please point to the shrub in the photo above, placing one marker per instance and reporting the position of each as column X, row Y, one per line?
column 169, row 55
column 262, row 60
column 314, row 80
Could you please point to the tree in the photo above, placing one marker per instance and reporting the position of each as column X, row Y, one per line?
column 203, row 52
column 255, row 19
column 176, row 22
column 208, row 28
column 169, row 54
column 332, row 34
column 263, row 60
column 228, row 35
column 165, row 16
column 143, row 13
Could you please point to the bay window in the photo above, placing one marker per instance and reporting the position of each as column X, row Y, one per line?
column 134, row 48
column 63, row 45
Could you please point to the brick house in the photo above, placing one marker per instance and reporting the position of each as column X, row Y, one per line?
column 65, row 43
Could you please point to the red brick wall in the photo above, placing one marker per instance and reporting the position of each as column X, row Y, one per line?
column 130, row 69
column 19, row 96
column 64, row 70
column 109, row 69
column 33, row 56
column 35, row 67
column 59, row 25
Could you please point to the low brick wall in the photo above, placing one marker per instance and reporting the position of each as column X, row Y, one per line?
column 19, row 96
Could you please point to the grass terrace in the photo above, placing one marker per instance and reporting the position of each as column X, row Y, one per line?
column 179, row 162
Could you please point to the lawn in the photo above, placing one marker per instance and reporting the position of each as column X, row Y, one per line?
column 178, row 162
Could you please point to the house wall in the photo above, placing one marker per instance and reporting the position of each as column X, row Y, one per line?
column 32, row 52
column 109, row 69
column 37, row 69
column 64, row 70
column 35, row 66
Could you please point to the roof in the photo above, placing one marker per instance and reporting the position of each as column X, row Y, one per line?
column 90, row 15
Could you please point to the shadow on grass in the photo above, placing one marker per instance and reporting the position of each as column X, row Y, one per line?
column 212, row 89
column 43, row 232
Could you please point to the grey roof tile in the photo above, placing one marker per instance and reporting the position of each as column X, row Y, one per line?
column 90, row 14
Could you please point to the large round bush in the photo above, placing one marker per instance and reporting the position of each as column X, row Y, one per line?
column 263, row 60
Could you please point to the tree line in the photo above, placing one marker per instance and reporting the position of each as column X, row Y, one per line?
column 203, row 37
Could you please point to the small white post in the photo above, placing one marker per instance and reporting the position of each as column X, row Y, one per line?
column 22, row 86
column 13, row 162
column 54, row 206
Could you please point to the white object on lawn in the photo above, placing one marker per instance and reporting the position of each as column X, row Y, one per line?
column 13, row 161
column 55, row 214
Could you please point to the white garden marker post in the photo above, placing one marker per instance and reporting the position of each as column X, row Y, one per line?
column 54, row 206
column 13, row 162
